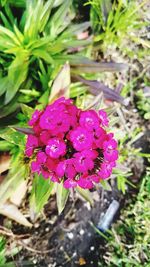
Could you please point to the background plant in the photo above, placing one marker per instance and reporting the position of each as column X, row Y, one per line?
column 116, row 23
column 32, row 47
column 128, row 244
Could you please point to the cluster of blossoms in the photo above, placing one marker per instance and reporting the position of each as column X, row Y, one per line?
column 71, row 145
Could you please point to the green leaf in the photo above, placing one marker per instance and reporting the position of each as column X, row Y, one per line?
column 3, row 85
column 60, row 20
column 85, row 194
column 61, row 196
column 40, row 194
column 45, row 14
column 27, row 111
column 9, row 35
column 10, row 108
column 39, row 53
column 5, row 145
column 13, row 137
column 121, row 183
column 17, row 74
column 106, row 185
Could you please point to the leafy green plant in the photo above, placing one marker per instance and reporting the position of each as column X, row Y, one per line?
column 115, row 24
column 3, row 260
column 31, row 49
column 143, row 102
column 128, row 244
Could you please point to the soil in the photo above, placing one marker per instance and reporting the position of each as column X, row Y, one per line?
column 70, row 239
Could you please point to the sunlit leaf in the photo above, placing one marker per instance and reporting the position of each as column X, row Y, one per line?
column 106, row 185
column 19, row 193
column 61, row 85
column 17, row 74
column 85, row 194
column 4, row 163
column 10, row 210
column 28, row 111
column 12, row 136
column 40, row 194
column 11, row 181
column 61, row 196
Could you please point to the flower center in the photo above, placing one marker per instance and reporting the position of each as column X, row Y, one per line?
column 54, row 148
column 81, row 138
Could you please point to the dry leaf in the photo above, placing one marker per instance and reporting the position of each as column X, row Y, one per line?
column 4, row 163
column 19, row 194
column 61, row 84
column 11, row 211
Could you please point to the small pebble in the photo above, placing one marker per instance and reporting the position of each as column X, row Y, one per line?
column 87, row 205
column 36, row 225
column 82, row 232
column 92, row 248
column 70, row 235
column 74, row 254
column 35, row 261
column 47, row 229
column 89, row 234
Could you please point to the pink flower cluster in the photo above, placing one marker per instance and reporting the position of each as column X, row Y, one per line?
column 71, row 145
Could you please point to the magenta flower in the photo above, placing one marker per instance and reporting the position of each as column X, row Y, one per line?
column 70, row 145
column 41, row 157
column 89, row 120
column 103, row 118
column 82, row 162
column 81, row 139
column 32, row 143
column 35, row 167
column 110, row 153
column 55, row 148
column 47, row 121
column 35, row 117
column 69, row 183
column 85, row 182
column 105, row 170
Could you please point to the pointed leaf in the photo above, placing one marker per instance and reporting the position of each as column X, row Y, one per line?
column 20, row 192
column 28, row 111
column 95, row 87
column 61, row 85
column 4, row 163
column 12, row 136
column 106, row 185
column 40, row 194
column 61, row 196
column 17, row 74
column 24, row 130
column 12, row 212
column 10, row 183
column 85, row 194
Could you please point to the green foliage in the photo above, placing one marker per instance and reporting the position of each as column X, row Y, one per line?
column 41, row 191
column 143, row 103
column 62, row 196
column 129, row 242
column 115, row 23
column 2, row 251
column 3, row 260
column 29, row 47
column 15, row 175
